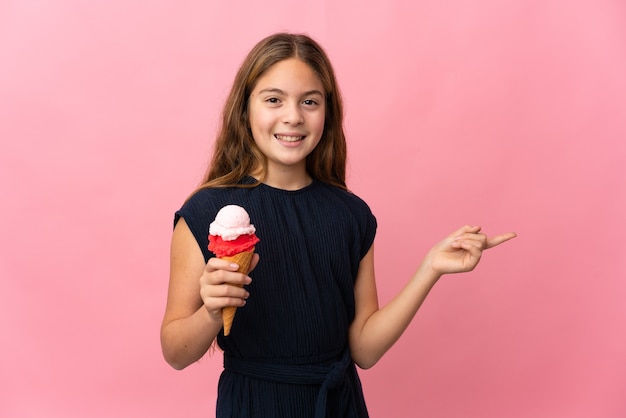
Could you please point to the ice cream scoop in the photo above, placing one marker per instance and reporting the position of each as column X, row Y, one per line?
column 232, row 237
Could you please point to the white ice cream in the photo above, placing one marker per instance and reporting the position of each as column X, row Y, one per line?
column 230, row 222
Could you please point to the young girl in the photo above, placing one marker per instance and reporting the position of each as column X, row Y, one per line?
column 310, row 311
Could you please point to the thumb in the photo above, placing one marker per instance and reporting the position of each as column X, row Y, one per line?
column 255, row 261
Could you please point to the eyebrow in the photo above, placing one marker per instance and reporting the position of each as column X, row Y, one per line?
column 281, row 92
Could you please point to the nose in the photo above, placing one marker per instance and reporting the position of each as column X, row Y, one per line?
column 293, row 114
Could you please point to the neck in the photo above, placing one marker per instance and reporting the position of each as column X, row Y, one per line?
column 285, row 179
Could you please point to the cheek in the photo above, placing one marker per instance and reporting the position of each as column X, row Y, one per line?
column 261, row 128
column 320, row 122
column 262, row 116
column 257, row 121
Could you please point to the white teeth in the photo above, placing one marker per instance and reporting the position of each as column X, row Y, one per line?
column 288, row 138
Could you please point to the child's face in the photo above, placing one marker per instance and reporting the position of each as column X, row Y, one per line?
column 287, row 110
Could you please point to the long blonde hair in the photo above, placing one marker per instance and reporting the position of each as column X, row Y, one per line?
column 236, row 154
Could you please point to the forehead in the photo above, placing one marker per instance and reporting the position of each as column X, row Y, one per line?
column 290, row 75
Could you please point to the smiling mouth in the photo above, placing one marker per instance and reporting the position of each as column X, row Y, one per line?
column 289, row 138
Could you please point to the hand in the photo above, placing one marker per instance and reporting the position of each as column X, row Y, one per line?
column 461, row 250
column 221, row 285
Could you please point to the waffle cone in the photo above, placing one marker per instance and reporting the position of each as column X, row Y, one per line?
column 243, row 259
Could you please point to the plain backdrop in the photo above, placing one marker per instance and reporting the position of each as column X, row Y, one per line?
column 506, row 114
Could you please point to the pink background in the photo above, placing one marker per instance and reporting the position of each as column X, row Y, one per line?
column 511, row 115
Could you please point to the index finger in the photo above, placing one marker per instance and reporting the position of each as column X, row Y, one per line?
column 497, row 240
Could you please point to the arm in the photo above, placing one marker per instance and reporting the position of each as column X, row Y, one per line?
column 196, row 295
column 375, row 330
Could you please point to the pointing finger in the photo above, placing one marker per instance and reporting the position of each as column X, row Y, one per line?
column 497, row 240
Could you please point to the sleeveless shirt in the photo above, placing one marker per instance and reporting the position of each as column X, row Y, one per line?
column 287, row 353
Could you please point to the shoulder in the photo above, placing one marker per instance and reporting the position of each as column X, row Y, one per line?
column 344, row 204
column 199, row 204
column 347, row 209
column 353, row 202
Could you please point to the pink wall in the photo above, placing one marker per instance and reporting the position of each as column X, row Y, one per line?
column 510, row 114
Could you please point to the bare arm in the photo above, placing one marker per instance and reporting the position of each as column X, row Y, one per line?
column 375, row 330
column 196, row 295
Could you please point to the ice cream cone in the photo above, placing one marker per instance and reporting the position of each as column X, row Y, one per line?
column 243, row 260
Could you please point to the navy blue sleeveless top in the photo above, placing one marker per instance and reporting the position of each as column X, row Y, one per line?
column 287, row 354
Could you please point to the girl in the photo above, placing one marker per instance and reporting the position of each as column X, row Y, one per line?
column 311, row 313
